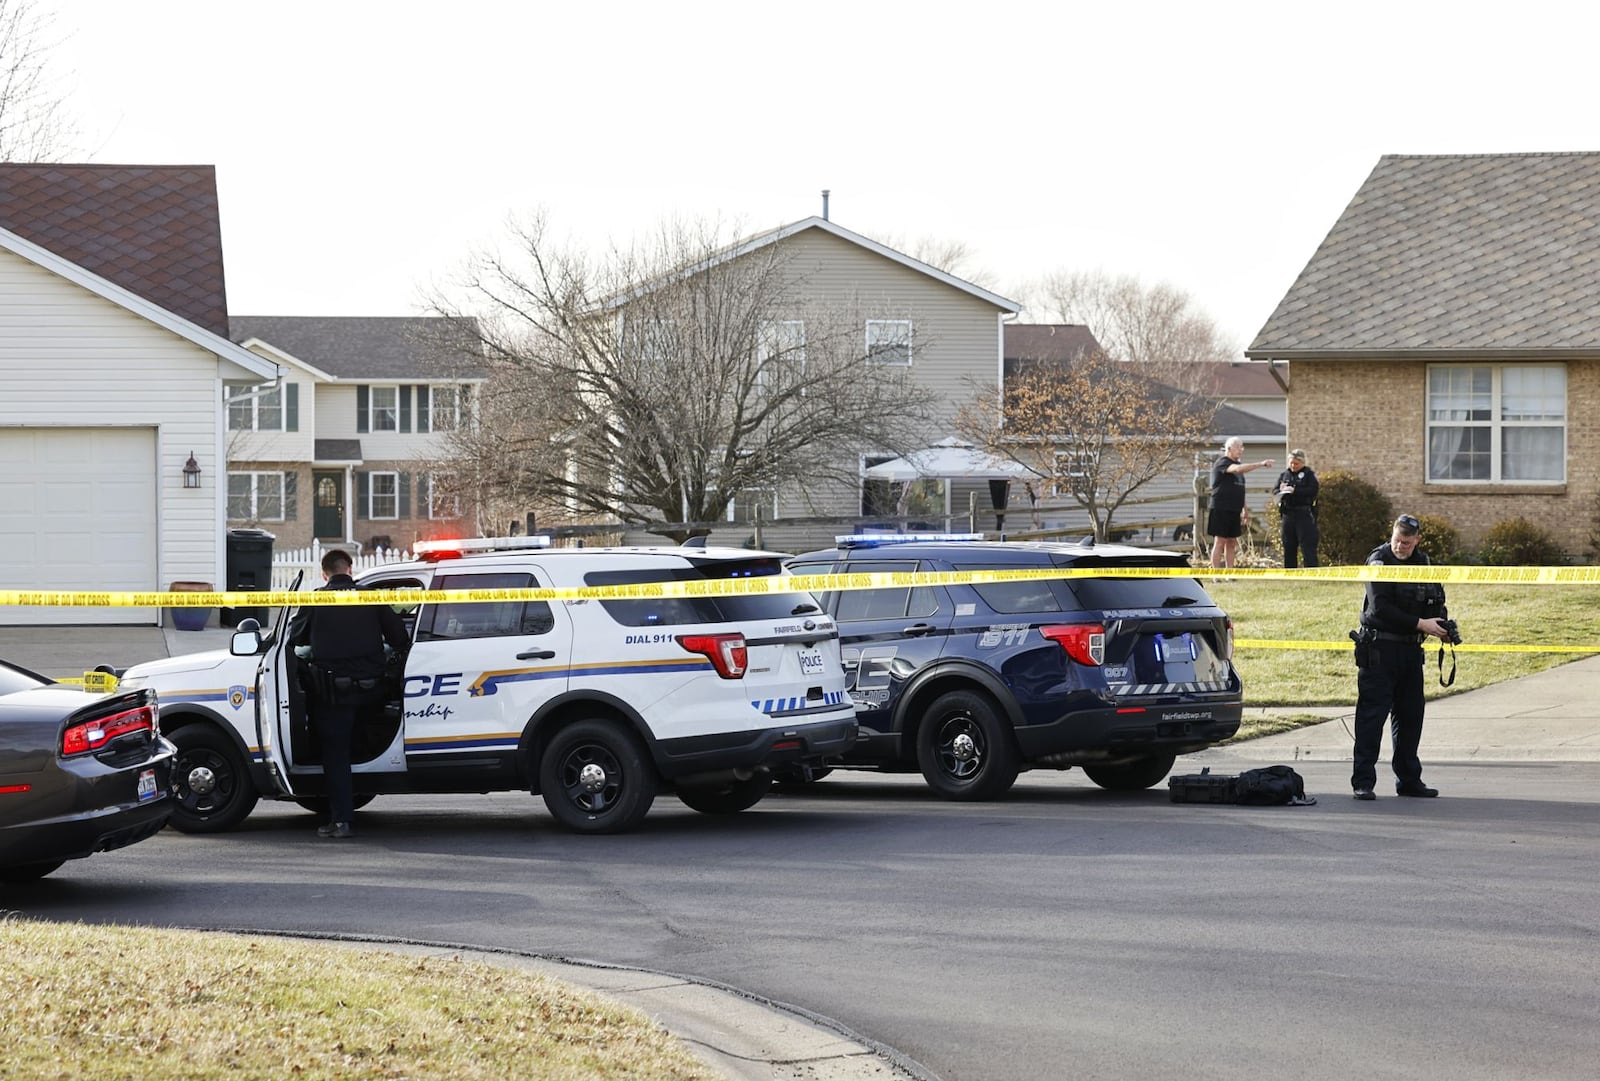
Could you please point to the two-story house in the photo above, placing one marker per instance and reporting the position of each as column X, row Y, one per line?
column 349, row 447
column 947, row 333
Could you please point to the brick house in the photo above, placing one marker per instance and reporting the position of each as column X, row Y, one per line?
column 1445, row 340
column 348, row 446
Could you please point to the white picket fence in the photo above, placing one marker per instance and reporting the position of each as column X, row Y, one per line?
column 291, row 561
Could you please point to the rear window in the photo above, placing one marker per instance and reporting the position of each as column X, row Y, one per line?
column 1139, row 592
column 678, row 611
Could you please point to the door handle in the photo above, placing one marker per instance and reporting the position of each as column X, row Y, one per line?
column 536, row 655
column 919, row 629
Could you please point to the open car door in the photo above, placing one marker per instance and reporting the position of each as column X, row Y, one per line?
column 279, row 699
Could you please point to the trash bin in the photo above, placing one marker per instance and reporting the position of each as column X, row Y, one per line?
column 249, row 568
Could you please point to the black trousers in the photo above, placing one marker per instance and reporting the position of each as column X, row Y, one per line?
column 1389, row 689
column 335, row 727
column 1300, row 537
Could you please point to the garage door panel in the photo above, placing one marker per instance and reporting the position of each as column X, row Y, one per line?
column 81, row 514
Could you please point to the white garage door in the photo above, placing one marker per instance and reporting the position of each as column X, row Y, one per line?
column 77, row 511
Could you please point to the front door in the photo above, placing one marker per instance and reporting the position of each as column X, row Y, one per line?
column 328, row 499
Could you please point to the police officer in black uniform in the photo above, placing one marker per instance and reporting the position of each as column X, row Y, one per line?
column 1396, row 617
column 347, row 664
column 1296, row 492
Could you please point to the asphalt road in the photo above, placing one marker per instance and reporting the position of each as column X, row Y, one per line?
column 1065, row 932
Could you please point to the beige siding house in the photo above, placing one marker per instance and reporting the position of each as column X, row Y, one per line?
column 111, row 383
column 1445, row 340
column 948, row 332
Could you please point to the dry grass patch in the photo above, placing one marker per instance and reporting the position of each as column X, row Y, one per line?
column 97, row 1002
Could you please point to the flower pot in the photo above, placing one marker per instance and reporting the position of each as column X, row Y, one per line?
column 190, row 619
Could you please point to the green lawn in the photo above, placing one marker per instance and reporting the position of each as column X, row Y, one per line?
column 1492, row 616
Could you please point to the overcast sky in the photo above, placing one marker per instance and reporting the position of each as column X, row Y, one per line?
column 363, row 149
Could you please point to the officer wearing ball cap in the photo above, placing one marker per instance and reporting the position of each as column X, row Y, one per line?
column 1395, row 619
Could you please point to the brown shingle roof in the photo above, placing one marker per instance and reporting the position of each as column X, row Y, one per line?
column 152, row 229
column 1453, row 253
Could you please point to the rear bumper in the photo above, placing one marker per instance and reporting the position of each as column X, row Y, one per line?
column 87, row 807
column 766, row 747
column 1121, row 732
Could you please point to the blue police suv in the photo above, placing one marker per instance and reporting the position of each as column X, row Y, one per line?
column 973, row 683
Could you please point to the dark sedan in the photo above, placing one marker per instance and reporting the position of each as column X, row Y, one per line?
column 79, row 773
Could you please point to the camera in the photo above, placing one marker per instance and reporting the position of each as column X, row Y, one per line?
column 1452, row 633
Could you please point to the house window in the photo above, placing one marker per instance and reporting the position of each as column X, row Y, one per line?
column 889, row 341
column 752, row 503
column 442, row 499
column 385, row 409
column 383, row 495
column 250, row 410
column 1501, row 423
column 444, row 408
column 782, row 343
column 255, row 497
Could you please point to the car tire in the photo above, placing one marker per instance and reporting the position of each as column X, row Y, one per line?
column 1132, row 776
column 28, row 872
column 595, row 778
column 799, row 775
column 965, row 748
column 210, row 780
column 319, row 806
column 727, row 799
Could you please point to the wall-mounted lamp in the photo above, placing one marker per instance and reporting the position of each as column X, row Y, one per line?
column 191, row 472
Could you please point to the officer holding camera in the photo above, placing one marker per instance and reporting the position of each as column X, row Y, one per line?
column 1396, row 617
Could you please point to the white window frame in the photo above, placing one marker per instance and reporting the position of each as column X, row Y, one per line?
column 453, row 415
column 393, row 495
column 253, row 399
column 255, row 496
column 373, row 408
column 1494, row 422
column 454, row 509
column 884, row 335
column 768, row 498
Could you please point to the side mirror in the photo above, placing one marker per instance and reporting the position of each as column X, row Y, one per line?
column 246, row 642
column 249, row 623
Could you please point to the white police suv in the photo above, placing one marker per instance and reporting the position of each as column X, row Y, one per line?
column 593, row 704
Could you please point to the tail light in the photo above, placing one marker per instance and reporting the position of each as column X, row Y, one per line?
column 89, row 736
column 1227, row 642
column 727, row 652
column 1084, row 642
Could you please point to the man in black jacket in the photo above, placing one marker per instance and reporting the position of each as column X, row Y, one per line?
column 346, row 657
column 1296, row 493
column 1395, row 618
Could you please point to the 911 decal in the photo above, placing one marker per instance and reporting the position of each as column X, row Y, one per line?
column 1004, row 634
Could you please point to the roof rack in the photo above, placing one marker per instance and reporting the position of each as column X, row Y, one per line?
column 435, row 550
column 871, row 540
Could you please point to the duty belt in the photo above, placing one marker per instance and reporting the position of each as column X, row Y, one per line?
column 1415, row 638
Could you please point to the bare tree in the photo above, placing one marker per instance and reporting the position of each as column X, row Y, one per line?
column 1158, row 326
column 33, row 123
column 1094, row 430
column 953, row 257
column 653, row 385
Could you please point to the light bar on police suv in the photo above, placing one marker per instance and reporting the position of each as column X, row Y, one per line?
column 433, row 550
column 867, row 540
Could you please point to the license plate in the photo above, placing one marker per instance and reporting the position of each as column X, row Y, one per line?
column 147, row 785
column 811, row 663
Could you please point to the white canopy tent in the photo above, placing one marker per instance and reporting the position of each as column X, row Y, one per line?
column 948, row 459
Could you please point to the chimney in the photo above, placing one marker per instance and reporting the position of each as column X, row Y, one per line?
column 824, row 204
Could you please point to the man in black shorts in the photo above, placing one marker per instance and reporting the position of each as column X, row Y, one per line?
column 1225, row 520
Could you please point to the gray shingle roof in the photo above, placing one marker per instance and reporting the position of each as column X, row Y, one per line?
column 368, row 347
column 1479, row 253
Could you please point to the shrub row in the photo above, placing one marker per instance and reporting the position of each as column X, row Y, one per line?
column 1354, row 517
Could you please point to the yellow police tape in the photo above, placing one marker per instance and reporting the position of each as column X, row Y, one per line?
column 809, row 583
